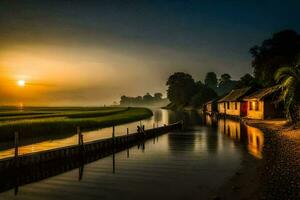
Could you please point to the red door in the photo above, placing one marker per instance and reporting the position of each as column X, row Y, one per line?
column 244, row 108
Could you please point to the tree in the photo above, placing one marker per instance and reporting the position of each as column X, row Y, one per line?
column 147, row 98
column 203, row 95
column 246, row 81
column 211, row 80
column 225, row 84
column 181, row 88
column 280, row 50
column 158, row 96
column 225, row 78
column 289, row 79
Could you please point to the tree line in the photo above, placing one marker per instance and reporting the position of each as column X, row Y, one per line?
column 276, row 61
column 147, row 99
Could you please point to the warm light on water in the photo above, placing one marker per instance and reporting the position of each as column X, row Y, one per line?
column 196, row 154
column 253, row 137
column 255, row 141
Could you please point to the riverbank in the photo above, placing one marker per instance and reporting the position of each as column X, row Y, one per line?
column 277, row 175
column 58, row 124
column 280, row 175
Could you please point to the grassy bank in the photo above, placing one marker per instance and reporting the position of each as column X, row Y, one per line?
column 59, row 122
column 41, row 112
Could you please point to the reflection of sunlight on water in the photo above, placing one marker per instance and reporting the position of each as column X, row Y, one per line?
column 165, row 117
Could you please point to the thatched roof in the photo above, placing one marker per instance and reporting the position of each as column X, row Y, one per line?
column 262, row 93
column 236, row 95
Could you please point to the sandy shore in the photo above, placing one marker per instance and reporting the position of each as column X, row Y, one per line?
column 277, row 175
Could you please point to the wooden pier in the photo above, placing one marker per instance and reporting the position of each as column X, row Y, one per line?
column 23, row 169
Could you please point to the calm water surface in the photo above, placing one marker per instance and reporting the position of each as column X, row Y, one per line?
column 185, row 164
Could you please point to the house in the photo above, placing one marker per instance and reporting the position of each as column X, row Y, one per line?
column 261, row 103
column 211, row 107
column 233, row 103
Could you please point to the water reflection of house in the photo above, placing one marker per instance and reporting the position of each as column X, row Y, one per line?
column 255, row 141
column 233, row 103
column 252, row 137
column 261, row 104
column 210, row 120
column 230, row 128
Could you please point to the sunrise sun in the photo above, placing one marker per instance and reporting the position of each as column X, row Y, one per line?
column 21, row 83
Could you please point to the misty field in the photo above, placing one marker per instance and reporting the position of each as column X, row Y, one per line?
column 34, row 122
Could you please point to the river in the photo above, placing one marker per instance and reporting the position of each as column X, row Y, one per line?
column 187, row 164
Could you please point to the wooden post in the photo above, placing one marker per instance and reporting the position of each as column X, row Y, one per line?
column 16, row 146
column 80, row 140
column 127, row 142
column 113, row 138
column 153, row 125
column 114, row 163
column 81, row 169
column 143, row 146
column 113, row 135
column 79, row 135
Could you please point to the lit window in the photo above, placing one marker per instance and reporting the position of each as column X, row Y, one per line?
column 256, row 105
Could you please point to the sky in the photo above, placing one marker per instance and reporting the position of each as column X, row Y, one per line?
column 89, row 53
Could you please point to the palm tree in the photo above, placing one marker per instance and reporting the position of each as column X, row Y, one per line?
column 289, row 82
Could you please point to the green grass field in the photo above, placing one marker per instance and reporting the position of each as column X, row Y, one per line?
column 58, row 121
